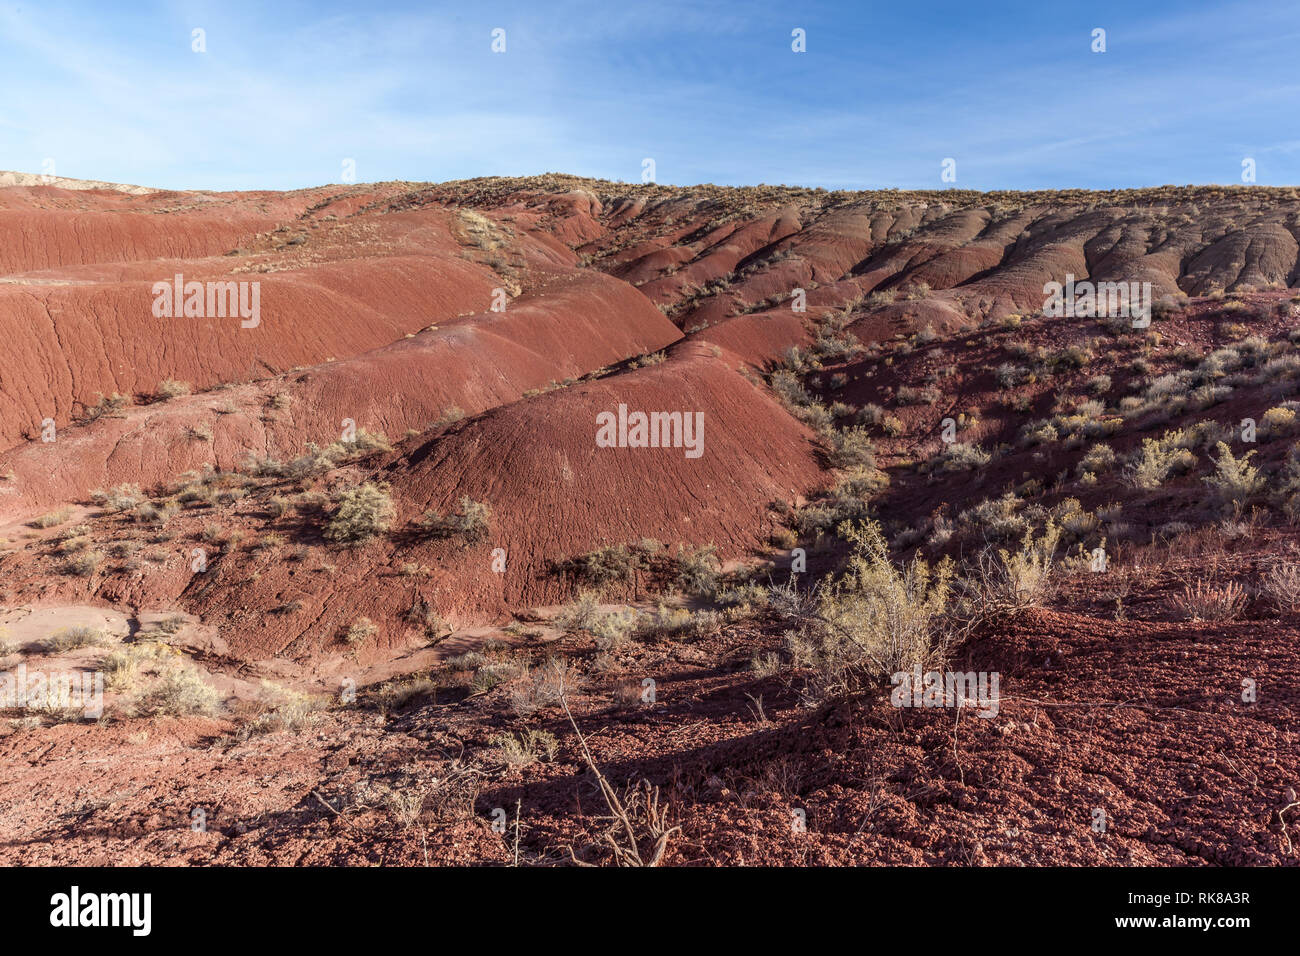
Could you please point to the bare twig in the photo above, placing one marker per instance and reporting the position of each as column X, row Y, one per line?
column 642, row 804
column 325, row 803
column 519, row 801
column 1282, row 820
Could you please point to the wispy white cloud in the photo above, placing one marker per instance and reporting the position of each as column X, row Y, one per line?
column 285, row 93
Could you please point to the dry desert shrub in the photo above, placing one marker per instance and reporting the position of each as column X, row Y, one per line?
column 526, row 747
column 765, row 665
column 1277, row 421
column 84, row 564
column 398, row 694
column 578, row 616
column 611, row 630
column 676, row 624
column 71, row 638
column 405, row 805
column 870, row 414
column 73, row 540
column 1099, row 458
column 424, row 615
column 410, row 796
column 478, row 230
column 262, row 466
column 363, row 512
column 747, row 596
column 1011, row 581
column 108, row 406
column 147, row 512
column 907, row 395
column 52, row 518
column 316, row 461
column 169, row 388
column 1235, row 480
column 488, row 674
column 1161, row 458
column 1208, row 601
column 626, row 695
column 118, row 499
column 123, row 666
column 280, row 708
column 469, row 521
column 358, row 446
column 156, row 681
column 179, row 691
column 1281, row 586
column 650, row 358
column 536, row 688
column 851, row 447
column 1098, row 384
column 359, row 630
column 1009, row 375
column 617, row 563
column 879, row 619
column 962, row 456
column 698, row 570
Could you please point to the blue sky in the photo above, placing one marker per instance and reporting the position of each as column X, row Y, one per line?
column 712, row 92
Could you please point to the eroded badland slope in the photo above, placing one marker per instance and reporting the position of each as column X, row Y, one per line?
column 363, row 581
